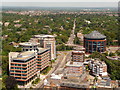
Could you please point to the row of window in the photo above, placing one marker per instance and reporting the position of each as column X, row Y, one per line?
column 20, row 78
column 18, row 68
column 28, row 49
column 18, row 71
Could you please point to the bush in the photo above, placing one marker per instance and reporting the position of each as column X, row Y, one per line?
column 36, row 81
column 111, row 54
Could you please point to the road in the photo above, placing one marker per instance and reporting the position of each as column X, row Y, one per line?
column 72, row 36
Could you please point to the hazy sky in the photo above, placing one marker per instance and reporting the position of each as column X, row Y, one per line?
column 61, row 3
column 60, row 0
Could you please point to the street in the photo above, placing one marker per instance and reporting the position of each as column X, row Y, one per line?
column 72, row 36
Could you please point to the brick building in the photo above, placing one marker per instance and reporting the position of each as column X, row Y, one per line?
column 78, row 56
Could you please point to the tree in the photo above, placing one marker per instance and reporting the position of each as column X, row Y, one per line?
column 111, row 54
column 11, row 83
column 118, row 52
column 95, row 55
column 76, row 40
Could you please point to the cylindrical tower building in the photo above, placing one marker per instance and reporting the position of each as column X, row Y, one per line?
column 94, row 41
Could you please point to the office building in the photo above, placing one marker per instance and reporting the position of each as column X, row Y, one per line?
column 23, row 66
column 43, row 58
column 94, row 41
column 78, row 56
column 29, row 46
column 47, row 41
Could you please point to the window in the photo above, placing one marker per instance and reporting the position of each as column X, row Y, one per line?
column 24, row 71
column 17, row 74
column 11, row 70
column 17, row 78
column 24, row 74
column 24, row 65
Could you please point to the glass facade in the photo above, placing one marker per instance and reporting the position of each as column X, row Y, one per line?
column 95, row 45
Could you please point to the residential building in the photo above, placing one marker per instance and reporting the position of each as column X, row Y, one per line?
column 29, row 46
column 43, row 58
column 94, row 41
column 98, row 68
column 78, row 56
column 23, row 66
column 47, row 41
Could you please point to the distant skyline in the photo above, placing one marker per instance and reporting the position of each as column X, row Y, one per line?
column 61, row 4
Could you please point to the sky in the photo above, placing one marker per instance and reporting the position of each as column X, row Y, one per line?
column 60, row 0
column 61, row 3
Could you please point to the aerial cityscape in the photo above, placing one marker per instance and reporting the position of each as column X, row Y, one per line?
column 68, row 48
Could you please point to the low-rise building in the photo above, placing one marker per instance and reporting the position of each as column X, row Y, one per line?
column 6, row 23
column 98, row 68
column 78, row 56
column 74, row 76
column 18, row 25
column 74, row 68
column 113, row 57
column 23, row 66
column 74, row 71
column 104, row 84
column 80, row 35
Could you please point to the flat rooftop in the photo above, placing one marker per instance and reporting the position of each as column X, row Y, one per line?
column 98, row 62
column 40, row 50
column 44, row 36
column 74, row 64
column 25, row 55
column 29, row 44
column 78, row 51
